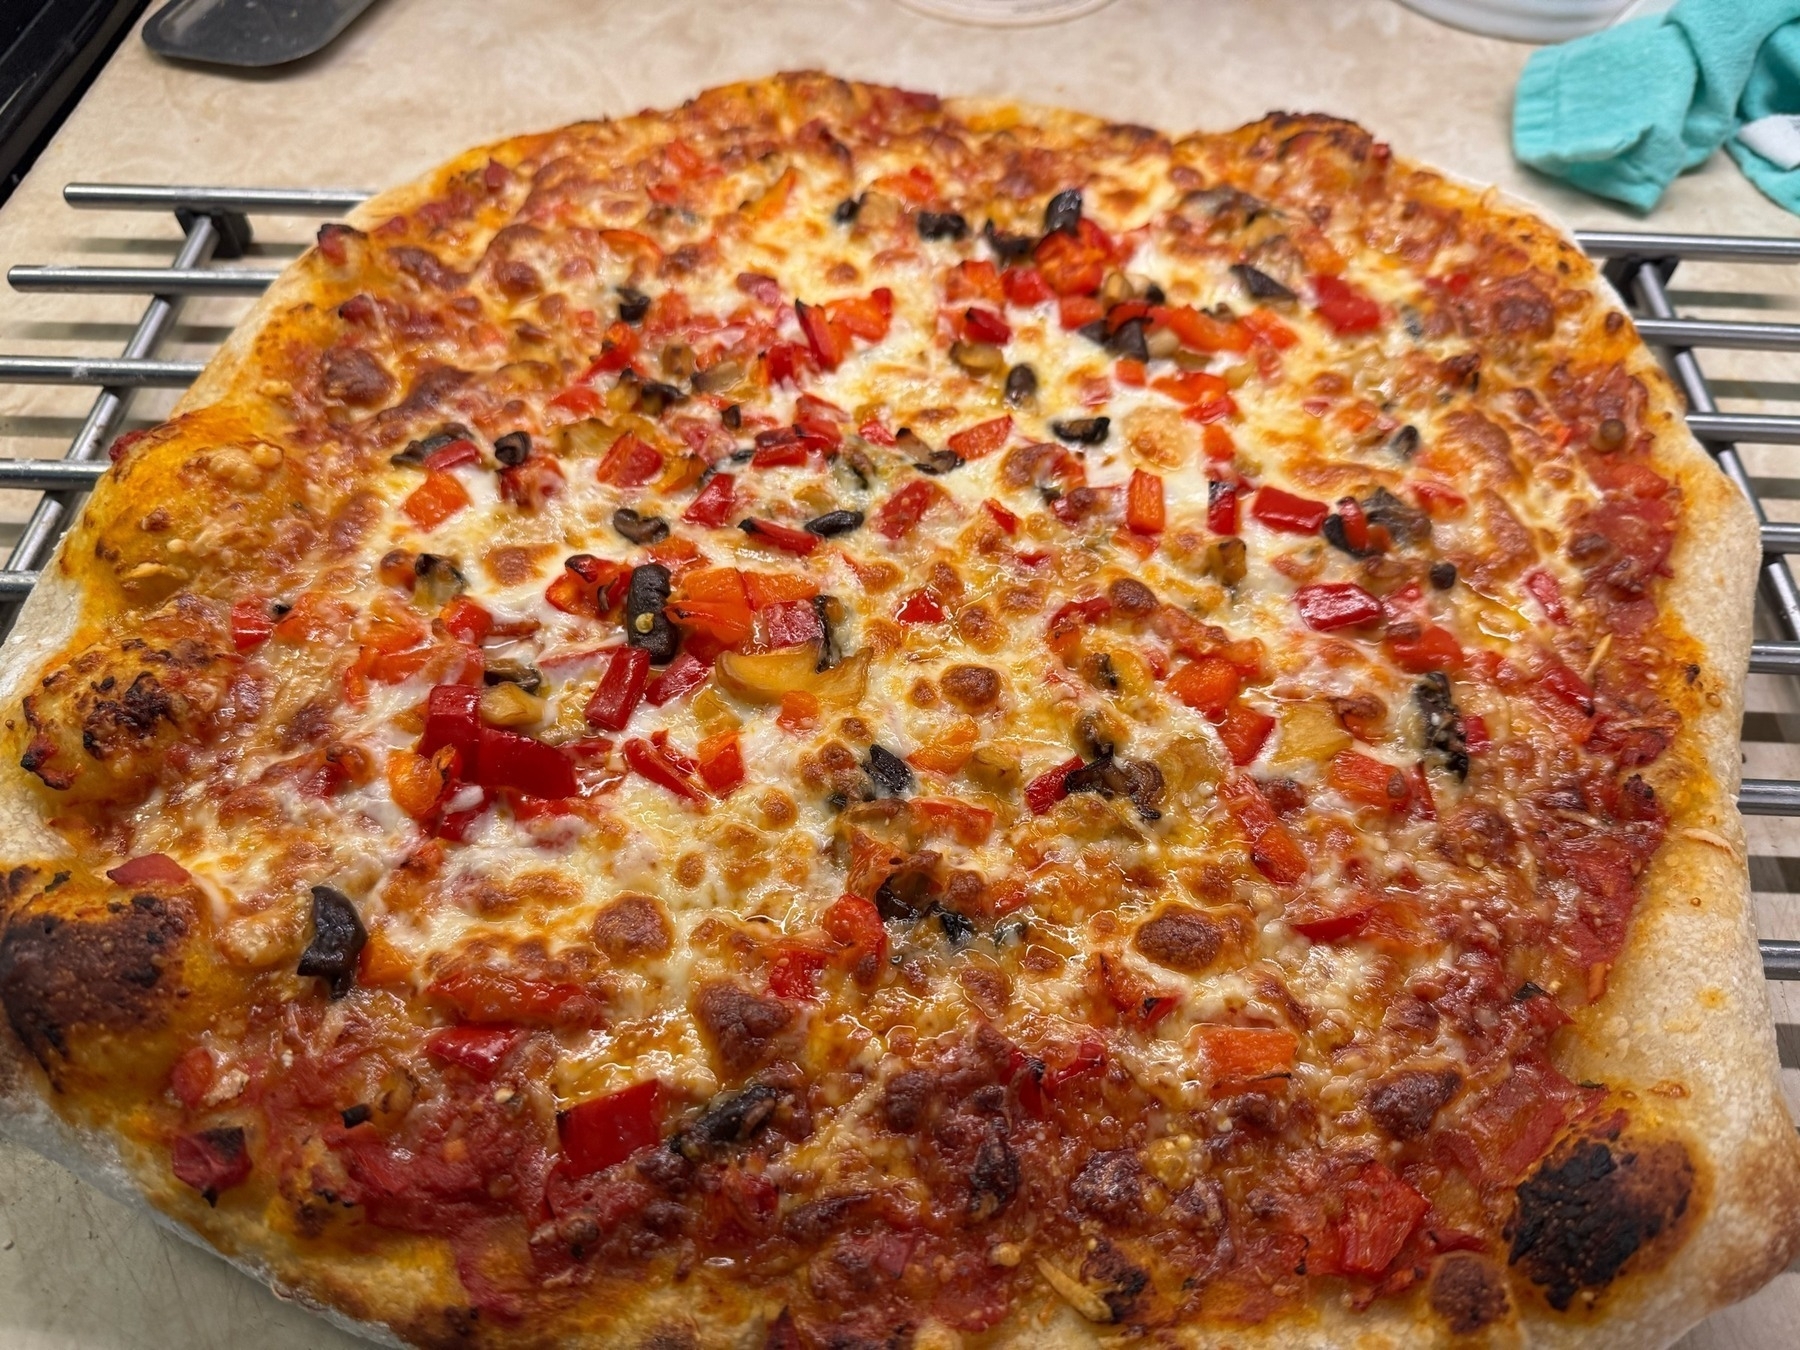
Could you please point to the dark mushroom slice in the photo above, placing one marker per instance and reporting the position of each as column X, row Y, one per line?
column 512, row 449
column 958, row 928
column 1021, row 386
column 1129, row 342
column 1442, row 575
column 436, row 580
column 731, row 417
column 522, row 673
column 1443, row 723
column 337, row 941
column 1405, row 442
column 1136, row 779
column 729, row 1118
column 978, row 358
column 829, row 610
column 846, row 211
column 719, row 375
column 1082, row 430
column 938, row 462
column 908, row 893
column 1259, row 284
column 891, row 775
column 1063, row 212
column 654, row 396
column 1404, row 524
column 942, row 225
column 834, row 523
column 640, row 529
column 416, row 452
column 1009, row 248
column 633, row 305
column 646, row 625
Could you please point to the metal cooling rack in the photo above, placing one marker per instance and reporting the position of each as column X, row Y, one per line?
column 216, row 227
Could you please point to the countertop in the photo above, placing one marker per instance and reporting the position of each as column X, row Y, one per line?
column 414, row 81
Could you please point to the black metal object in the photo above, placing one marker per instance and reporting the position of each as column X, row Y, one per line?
column 50, row 51
column 248, row 32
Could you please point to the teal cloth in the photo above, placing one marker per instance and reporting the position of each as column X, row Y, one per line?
column 1621, row 112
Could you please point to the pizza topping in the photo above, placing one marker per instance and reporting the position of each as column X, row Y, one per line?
column 211, row 1161
column 337, row 941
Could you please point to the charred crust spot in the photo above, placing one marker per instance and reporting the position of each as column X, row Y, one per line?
column 1118, row 1279
column 57, row 975
column 1110, row 1187
column 633, row 928
column 994, row 1176
column 1181, row 938
column 1468, row 1293
column 743, row 1028
column 1591, row 1207
column 1404, row 1103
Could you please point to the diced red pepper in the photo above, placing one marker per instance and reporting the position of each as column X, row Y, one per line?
column 1244, row 1054
column 780, row 455
column 1368, row 781
column 510, row 759
column 211, row 1161
column 618, row 345
column 1217, row 443
column 1344, row 308
column 783, row 537
column 1355, row 523
column 1272, row 848
column 981, row 439
column 608, row 1130
column 790, row 623
column 150, row 869
column 784, row 361
column 1208, row 684
column 1244, row 730
column 967, row 822
column 983, row 325
column 721, row 761
column 1327, row 606
column 251, row 624
column 452, row 717
column 620, row 690
column 629, row 462
column 1078, row 311
column 1562, row 681
column 772, row 588
column 1431, row 648
column 654, row 762
column 1005, row 519
column 495, row 997
column 1074, row 262
column 1140, row 1004
column 829, row 340
column 480, row 1050
column 466, row 620
column 900, row 513
column 1070, row 619
column 818, row 417
column 685, row 673
column 1144, row 511
column 1475, row 733
column 434, row 501
column 973, row 279
column 1222, row 507
column 1380, row 1213
column 1025, row 287
column 921, row 606
column 867, row 317
column 1547, row 591
column 1285, row 512
column 855, row 923
column 1201, row 332
column 1088, row 1059
column 715, row 505
column 446, row 457
column 1047, row 789
column 1267, row 329
column 795, row 971
column 579, row 400
column 713, row 602
column 1130, row 372
column 875, row 433
column 1437, row 501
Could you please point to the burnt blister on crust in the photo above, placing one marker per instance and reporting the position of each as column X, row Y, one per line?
column 58, row 974
column 1468, row 1293
column 1591, row 1207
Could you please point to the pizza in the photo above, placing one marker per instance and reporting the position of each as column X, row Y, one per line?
column 839, row 719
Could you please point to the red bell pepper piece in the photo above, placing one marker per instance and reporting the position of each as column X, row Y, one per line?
column 620, row 690
column 1568, row 686
column 855, row 923
column 1344, row 308
column 715, row 503
column 1431, row 648
column 1088, row 1059
column 447, row 457
column 1221, row 507
column 983, row 325
column 795, row 971
column 1547, row 591
column 212, row 1161
column 781, row 455
column 654, row 763
column 1380, row 1213
column 1267, row 329
column 1272, row 848
column 1144, row 512
column 783, row 537
column 1047, row 789
column 1200, row 332
column 150, row 869
column 1244, row 731
column 608, row 1130
column 1355, row 523
column 509, row 759
column 685, row 673
column 251, row 624
column 1368, row 782
column 1025, row 287
column 828, row 340
column 900, row 513
column 721, row 762
column 1005, row 519
column 579, row 400
column 630, row 462
column 981, row 439
column 784, row 361
column 1327, row 606
column 1208, row 684
column 1285, row 512
column 790, row 623
column 1217, row 443
column 466, row 621
column 494, row 997
column 434, row 501
column 452, row 717
column 975, row 279
column 921, row 606
column 1074, row 262
column 480, row 1050
column 867, row 317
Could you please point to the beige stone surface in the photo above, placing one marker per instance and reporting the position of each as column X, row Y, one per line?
column 414, row 81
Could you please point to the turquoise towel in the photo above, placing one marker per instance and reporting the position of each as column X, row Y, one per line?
column 1621, row 112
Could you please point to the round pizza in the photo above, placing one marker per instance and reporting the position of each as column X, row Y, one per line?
column 832, row 719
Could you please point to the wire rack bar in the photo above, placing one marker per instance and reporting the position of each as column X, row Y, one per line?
column 1772, row 337
column 48, row 475
column 143, row 280
column 1758, row 428
column 1775, row 658
column 164, row 197
column 1690, row 247
column 117, row 372
column 1780, row 960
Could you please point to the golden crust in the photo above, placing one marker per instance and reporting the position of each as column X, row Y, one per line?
column 1684, row 1019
